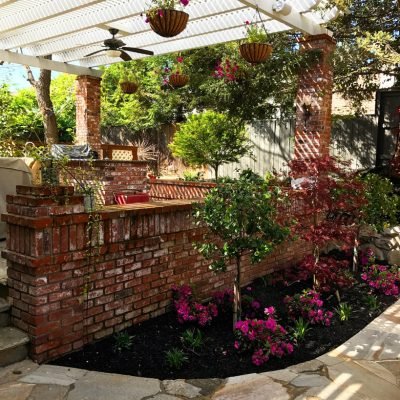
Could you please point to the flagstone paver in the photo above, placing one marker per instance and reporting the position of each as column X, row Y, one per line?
column 366, row 367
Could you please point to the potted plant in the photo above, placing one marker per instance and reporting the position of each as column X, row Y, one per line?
column 128, row 83
column 255, row 49
column 164, row 17
column 176, row 76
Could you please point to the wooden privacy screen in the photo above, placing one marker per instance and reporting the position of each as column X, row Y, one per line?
column 119, row 153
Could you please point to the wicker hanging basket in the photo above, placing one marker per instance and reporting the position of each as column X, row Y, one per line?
column 129, row 87
column 255, row 53
column 178, row 80
column 168, row 23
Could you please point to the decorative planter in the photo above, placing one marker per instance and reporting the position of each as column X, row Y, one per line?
column 129, row 87
column 178, row 80
column 255, row 53
column 168, row 23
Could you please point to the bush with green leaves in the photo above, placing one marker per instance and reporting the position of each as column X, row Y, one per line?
column 123, row 341
column 212, row 139
column 175, row 358
column 382, row 203
column 241, row 217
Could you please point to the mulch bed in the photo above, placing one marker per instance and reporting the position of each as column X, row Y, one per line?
column 217, row 358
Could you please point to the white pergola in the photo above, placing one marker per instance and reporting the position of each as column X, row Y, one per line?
column 69, row 29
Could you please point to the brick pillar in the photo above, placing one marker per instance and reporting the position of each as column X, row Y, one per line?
column 88, row 111
column 314, row 101
column 45, row 259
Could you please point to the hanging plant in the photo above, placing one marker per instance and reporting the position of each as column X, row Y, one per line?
column 175, row 75
column 178, row 80
column 256, row 48
column 165, row 19
column 129, row 84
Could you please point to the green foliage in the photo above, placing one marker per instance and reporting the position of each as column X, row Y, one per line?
column 123, row 341
column 368, row 45
column 300, row 329
column 62, row 93
column 255, row 33
column 192, row 339
column 382, row 204
column 241, row 214
column 175, row 358
column 20, row 118
column 192, row 176
column 343, row 311
column 372, row 302
column 211, row 139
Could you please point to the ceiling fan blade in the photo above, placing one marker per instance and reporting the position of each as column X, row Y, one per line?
column 95, row 52
column 125, row 56
column 141, row 51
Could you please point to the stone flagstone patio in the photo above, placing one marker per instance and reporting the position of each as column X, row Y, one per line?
column 367, row 367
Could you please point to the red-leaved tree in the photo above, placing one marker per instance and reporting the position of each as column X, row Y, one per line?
column 329, row 203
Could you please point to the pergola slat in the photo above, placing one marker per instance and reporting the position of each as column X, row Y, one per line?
column 70, row 29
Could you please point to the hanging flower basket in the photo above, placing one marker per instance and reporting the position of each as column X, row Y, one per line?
column 168, row 23
column 178, row 80
column 255, row 53
column 129, row 87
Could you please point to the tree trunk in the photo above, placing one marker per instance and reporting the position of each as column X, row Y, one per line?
column 42, row 89
column 216, row 167
column 355, row 249
column 237, row 301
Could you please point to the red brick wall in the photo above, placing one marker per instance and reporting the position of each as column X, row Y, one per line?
column 163, row 189
column 108, row 177
column 315, row 83
column 88, row 111
column 63, row 299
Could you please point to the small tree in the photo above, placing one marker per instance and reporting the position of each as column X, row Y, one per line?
column 210, row 139
column 241, row 218
column 331, row 203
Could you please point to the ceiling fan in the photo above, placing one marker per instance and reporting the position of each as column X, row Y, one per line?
column 116, row 48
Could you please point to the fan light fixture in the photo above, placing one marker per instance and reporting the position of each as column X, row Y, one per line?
column 281, row 7
column 113, row 53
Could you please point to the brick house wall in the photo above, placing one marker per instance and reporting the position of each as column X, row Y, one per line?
column 63, row 297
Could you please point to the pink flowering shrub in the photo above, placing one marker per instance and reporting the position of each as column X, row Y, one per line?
column 367, row 257
column 263, row 337
column 251, row 307
column 189, row 310
column 223, row 299
column 382, row 279
column 309, row 306
column 226, row 70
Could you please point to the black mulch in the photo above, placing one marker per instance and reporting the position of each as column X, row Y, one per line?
column 218, row 358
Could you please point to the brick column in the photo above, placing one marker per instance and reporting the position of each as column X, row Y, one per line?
column 88, row 111
column 314, row 101
column 45, row 259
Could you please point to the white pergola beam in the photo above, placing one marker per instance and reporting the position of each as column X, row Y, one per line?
column 295, row 20
column 138, row 26
column 42, row 12
column 198, row 27
column 71, row 22
column 4, row 3
column 44, row 63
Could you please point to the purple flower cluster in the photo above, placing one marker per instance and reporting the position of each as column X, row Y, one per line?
column 309, row 306
column 264, row 337
column 189, row 310
column 382, row 279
